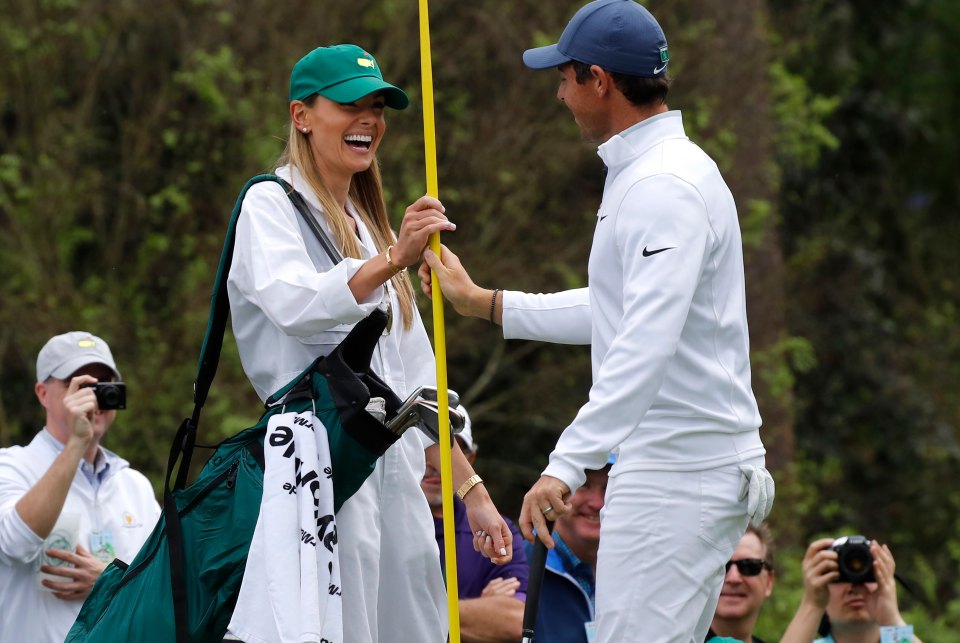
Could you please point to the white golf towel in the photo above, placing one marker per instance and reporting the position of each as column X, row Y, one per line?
column 291, row 586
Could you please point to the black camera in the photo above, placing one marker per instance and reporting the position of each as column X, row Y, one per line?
column 110, row 395
column 854, row 559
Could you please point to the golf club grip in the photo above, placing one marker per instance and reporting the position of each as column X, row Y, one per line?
column 538, row 562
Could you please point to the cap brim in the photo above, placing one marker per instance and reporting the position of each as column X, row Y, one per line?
column 71, row 366
column 356, row 88
column 544, row 57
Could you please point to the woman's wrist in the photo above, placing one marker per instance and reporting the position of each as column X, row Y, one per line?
column 392, row 262
column 477, row 494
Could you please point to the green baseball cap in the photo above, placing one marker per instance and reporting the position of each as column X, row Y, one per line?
column 342, row 73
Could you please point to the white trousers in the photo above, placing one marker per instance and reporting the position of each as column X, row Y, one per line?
column 665, row 537
column 389, row 563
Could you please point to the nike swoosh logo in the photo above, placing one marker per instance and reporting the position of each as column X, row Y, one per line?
column 657, row 70
column 648, row 253
column 602, row 218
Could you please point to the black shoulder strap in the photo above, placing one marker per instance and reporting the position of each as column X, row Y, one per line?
column 301, row 205
column 183, row 442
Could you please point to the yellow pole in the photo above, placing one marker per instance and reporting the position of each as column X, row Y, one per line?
column 439, row 339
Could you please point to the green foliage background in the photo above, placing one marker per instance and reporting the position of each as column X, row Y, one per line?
column 127, row 128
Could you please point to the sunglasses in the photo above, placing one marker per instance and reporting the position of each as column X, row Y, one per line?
column 747, row 566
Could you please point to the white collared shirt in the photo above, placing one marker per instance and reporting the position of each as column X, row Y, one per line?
column 665, row 314
column 121, row 510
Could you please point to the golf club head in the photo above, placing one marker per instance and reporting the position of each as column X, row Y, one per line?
column 429, row 415
column 409, row 415
column 429, row 393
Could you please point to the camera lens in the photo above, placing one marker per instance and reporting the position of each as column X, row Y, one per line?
column 111, row 396
column 854, row 560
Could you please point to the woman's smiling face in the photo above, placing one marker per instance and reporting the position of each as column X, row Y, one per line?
column 345, row 136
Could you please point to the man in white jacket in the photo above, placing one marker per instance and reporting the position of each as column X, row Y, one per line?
column 665, row 315
column 67, row 505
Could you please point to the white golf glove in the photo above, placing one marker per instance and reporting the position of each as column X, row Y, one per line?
column 758, row 488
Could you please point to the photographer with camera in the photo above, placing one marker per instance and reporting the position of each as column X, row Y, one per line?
column 850, row 581
column 67, row 505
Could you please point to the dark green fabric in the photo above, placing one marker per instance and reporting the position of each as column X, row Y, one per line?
column 218, row 512
column 218, row 515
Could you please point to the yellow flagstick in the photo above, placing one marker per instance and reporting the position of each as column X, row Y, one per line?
column 439, row 339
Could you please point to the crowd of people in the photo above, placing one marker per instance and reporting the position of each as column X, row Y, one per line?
column 683, row 556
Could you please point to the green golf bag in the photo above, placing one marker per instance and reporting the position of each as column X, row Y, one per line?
column 183, row 584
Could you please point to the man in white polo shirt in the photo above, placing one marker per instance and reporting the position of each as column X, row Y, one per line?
column 67, row 505
column 665, row 315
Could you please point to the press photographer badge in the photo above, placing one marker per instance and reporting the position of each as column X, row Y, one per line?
column 101, row 545
column 64, row 536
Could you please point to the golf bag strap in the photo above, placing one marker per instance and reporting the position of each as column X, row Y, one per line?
column 219, row 301
column 183, row 442
column 220, row 310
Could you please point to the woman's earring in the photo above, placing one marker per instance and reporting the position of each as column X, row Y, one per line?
column 303, row 129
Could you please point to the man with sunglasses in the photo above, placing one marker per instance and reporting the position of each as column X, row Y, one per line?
column 747, row 584
column 67, row 505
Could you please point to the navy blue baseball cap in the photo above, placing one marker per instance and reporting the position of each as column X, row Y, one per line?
column 617, row 35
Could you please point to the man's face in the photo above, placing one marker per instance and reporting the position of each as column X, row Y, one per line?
column 580, row 528
column 52, row 392
column 848, row 603
column 583, row 103
column 430, row 483
column 743, row 596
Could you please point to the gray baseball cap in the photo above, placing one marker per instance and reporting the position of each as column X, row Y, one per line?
column 64, row 354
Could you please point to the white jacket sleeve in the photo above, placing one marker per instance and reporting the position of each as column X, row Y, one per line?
column 657, row 294
column 18, row 543
column 272, row 269
column 561, row 318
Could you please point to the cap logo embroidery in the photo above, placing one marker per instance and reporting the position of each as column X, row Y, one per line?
column 366, row 62
column 664, row 54
column 86, row 343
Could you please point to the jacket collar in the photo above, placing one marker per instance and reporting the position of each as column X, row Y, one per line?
column 634, row 141
column 106, row 459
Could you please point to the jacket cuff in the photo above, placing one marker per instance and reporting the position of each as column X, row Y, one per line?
column 17, row 541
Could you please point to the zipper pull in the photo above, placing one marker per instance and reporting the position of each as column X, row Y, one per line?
column 232, row 474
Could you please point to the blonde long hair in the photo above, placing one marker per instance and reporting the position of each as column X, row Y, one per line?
column 366, row 194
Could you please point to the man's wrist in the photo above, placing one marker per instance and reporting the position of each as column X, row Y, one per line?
column 480, row 302
column 77, row 444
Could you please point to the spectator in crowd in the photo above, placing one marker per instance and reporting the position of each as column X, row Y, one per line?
column 567, row 598
column 491, row 596
column 747, row 584
column 67, row 505
column 855, row 611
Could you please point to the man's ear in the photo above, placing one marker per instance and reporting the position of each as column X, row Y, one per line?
column 602, row 80
column 40, row 388
column 771, row 578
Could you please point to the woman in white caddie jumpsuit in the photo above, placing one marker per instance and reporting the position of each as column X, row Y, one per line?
column 290, row 304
